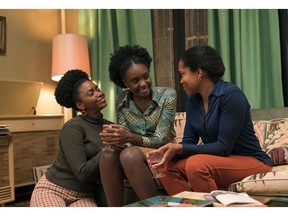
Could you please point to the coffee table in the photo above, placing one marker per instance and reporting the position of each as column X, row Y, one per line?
column 270, row 201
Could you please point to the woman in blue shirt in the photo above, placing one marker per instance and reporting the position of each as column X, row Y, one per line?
column 145, row 119
column 217, row 112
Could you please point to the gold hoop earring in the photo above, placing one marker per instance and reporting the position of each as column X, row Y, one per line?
column 83, row 112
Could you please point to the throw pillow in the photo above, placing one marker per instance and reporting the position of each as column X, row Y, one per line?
column 269, row 184
column 273, row 138
column 179, row 125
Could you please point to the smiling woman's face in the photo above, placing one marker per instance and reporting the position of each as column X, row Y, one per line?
column 138, row 80
column 91, row 97
column 189, row 79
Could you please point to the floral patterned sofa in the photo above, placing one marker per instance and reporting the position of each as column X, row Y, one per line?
column 271, row 128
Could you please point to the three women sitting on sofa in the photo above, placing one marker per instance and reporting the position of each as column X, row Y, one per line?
column 217, row 112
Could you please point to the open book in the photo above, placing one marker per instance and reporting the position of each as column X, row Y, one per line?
column 229, row 198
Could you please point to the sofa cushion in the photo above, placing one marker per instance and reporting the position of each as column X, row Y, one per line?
column 273, row 138
column 179, row 124
column 280, row 168
column 269, row 184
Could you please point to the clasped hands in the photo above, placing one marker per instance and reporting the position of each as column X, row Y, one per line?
column 114, row 134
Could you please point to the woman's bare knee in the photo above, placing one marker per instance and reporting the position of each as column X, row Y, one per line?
column 131, row 156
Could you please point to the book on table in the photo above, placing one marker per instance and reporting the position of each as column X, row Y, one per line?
column 229, row 198
column 169, row 201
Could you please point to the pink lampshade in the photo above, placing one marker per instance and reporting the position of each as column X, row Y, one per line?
column 70, row 51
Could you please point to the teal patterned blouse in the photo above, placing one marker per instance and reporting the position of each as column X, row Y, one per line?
column 156, row 124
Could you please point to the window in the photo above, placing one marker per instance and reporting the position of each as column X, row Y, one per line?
column 173, row 32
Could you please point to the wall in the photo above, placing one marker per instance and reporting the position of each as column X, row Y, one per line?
column 29, row 35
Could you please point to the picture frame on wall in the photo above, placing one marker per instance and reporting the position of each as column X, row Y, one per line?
column 2, row 35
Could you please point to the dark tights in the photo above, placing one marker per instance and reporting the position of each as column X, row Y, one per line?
column 128, row 163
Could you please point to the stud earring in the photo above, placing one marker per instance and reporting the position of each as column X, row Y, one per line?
column 83, row 112
column 199, row 78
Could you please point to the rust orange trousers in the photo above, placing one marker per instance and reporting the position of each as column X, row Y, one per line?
column 204, row 173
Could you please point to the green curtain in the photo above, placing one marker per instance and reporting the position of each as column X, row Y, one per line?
column 107, row 29
column 249, row 43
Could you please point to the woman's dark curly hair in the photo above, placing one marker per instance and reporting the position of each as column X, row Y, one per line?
column 123, row 58
column 206, row 58
column 66, row 92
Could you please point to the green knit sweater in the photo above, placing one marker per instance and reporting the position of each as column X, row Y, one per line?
column 77, row 163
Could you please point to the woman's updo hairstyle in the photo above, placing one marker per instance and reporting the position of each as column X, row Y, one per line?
column 206, row 58
column 123, row 58
column 66, row 92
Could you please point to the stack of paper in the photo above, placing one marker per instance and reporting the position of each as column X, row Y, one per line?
column 4, row 130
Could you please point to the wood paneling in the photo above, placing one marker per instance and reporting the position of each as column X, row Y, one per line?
column 163, row 47
column 175, row 30
column 33, row 149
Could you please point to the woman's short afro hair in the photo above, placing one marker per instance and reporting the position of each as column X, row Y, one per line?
column 206, row 58
column 66, row 89
column 123, row 58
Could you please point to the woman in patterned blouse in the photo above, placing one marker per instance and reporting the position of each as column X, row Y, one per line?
column 145, row 119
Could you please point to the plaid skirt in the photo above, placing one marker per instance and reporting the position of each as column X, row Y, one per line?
column 48, row 194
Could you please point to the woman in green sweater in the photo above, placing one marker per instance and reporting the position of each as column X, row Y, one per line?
column 71, row 180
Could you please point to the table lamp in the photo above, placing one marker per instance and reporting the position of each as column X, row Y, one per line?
column 69, row 52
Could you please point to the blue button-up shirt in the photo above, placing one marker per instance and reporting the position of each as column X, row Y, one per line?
column 226, row 129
